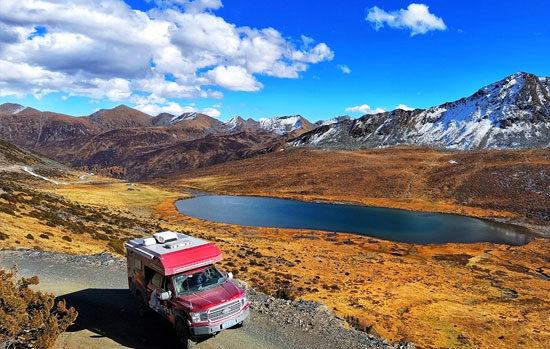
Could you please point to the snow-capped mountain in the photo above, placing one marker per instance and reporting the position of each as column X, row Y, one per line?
column 511, row 113
column 284, row 125
column 333, row 120
column 238, row 124
column 183, row 117
column 166, row 119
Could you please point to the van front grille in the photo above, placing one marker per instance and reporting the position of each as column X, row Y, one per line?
column 224, row 311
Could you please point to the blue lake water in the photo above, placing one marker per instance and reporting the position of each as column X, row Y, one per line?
column 383, row 223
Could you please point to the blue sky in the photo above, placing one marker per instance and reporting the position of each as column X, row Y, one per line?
column 463, row 46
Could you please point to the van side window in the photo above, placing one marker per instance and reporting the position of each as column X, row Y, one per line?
column 157, row 280
column 137, row 264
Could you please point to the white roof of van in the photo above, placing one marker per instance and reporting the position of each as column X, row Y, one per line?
column 182, row 242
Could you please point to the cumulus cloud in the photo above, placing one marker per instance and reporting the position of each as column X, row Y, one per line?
column 404, row 107
column 213, row 112
column 233, row 78
column 416, row 17
column 365, row 109
column 179, row 49
column 344, row 68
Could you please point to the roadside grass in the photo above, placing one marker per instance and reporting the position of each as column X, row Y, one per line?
column 29, row 318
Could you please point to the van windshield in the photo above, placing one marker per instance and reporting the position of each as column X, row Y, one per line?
column 198, row 281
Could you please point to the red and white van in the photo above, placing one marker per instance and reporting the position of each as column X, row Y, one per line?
column 174, row 275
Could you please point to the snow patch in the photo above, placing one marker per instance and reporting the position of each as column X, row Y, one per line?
column 281, row 125
column 183, row 117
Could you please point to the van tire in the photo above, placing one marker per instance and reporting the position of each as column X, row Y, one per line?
column 182, row 335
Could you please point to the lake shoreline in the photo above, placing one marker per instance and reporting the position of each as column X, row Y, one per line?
column 398, row 225
column 502, row 217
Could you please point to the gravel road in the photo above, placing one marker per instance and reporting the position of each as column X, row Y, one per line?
column 97, row 287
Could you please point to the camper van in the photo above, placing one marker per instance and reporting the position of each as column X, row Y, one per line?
column 175, row 276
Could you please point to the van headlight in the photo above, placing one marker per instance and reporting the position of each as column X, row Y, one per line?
column 243, row 301
column 199, row 317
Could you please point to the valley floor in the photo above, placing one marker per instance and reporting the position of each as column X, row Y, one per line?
column 478, row 295
column 505, row 185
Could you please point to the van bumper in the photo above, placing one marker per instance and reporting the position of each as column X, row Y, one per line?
column 199, row 331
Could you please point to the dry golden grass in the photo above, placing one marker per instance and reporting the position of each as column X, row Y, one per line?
column 478, row 295
column 448, row 296
column 77, row 218
column 134, row 197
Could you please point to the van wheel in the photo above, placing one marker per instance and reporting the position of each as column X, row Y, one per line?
column 140, row 306
column 184, row 342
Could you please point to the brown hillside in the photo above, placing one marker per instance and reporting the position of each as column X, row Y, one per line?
column 142, row 153
column 32, row 128
column 119, row 117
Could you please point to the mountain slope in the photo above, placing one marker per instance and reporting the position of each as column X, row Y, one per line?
column 511, row 113
column 119, row 117
column 11, row 108
column 141, row 153
column 31, row 128
column 286, row 125
column 238, row 124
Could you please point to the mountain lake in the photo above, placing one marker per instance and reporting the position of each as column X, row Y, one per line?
column 384, row 223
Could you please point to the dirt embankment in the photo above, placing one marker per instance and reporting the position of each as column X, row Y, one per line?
column 96, row 286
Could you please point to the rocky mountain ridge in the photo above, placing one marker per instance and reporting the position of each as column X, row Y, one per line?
column 125, row 142
column 509, row 114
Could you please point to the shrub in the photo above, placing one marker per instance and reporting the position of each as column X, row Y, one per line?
column 30, row 237
column 3, row 236
column 67, row 238
column 44, row 236
column 283, row 293
column 28, row 318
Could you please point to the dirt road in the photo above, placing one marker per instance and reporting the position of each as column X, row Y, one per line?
column 96, row 286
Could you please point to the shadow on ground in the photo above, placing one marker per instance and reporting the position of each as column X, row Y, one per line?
column 111, row 313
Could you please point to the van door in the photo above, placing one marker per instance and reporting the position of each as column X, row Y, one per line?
column 154, row 289
column 171, row 305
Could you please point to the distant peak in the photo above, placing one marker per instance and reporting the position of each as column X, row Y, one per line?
column 11, row 108
column 121, row 106
column 165, row 115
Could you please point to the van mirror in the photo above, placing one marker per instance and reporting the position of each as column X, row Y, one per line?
column 229, row 275
column 164, row 296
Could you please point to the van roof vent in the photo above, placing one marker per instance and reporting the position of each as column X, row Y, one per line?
column 149, row 241
column 165, row 236
column 177, row 244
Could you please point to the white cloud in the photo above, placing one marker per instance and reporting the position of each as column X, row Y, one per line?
column 365, row 109
column 108, row 50
column 416, row 17
column 211, row 112
column 233, row 78
column 404, row 107
column 344, row 68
